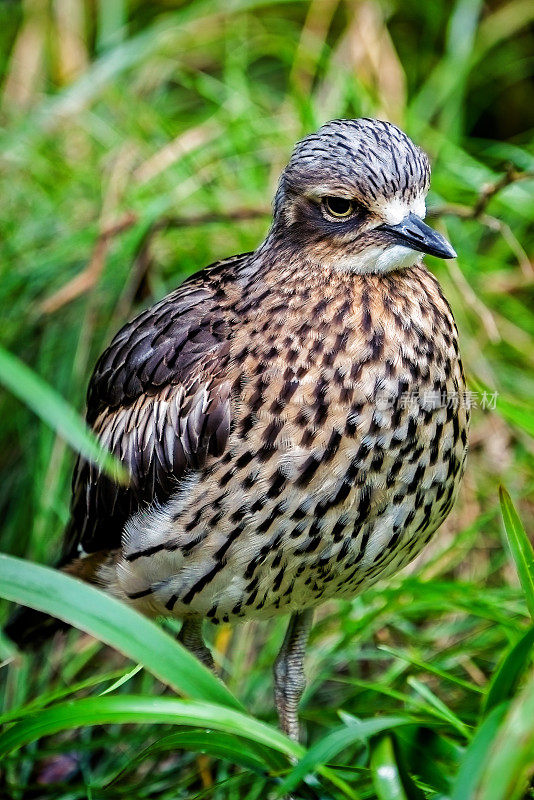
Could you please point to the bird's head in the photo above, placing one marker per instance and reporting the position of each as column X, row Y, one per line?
column 353, row 198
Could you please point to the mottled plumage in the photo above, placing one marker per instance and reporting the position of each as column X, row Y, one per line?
column 292, row 419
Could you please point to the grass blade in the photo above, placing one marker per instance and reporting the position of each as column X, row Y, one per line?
column 519, row 414
column 133, row 709
column 56, row 412
column 427, row 667
column 512, row 666
column 522, row 551
column 122, row 680
column 112, row 18
column 511, row 762
column 437, row 705
column 338, row 740
column 59, row 694
column 219, row 745
column 389, row 778
column 476, row 755
column 112, row 622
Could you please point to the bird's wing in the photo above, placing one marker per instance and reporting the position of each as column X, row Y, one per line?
column 159, row 400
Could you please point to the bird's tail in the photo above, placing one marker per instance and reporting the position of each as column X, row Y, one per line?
column 30, row 629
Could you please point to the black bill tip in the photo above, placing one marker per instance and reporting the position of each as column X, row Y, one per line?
column 414, row 233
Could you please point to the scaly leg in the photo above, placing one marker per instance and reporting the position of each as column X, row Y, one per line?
column 191, row 637
column 289, row 680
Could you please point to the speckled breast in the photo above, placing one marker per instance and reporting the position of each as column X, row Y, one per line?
column 348, row 442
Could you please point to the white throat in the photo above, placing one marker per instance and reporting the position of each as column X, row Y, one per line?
column 379, row 259
column 386, row 258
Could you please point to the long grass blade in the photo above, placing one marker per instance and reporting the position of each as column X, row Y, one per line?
column 218, row 744
column 509, row 672
column 519, row 414
column 511, row 763
column 389, row 778
column 56, row 412
column 112, row 622
column 124, row 709
column 476, row 755
column 522, row 551
column 337, row 740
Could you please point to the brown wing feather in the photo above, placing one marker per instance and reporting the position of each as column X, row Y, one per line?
column 159, row 399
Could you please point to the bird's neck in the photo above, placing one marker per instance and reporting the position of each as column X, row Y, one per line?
column 286, row 282
column 293, row 271
column 290, row 251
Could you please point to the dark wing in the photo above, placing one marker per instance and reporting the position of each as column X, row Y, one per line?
column 159, row 399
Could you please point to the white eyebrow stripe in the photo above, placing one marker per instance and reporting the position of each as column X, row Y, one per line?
column 328, row 190
column 394, row 211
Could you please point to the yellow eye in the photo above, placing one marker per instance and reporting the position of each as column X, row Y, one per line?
column 338, row 206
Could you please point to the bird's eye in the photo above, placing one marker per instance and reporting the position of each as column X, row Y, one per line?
column 338, row 206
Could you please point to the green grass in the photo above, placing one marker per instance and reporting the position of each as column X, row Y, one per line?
column 140, row 142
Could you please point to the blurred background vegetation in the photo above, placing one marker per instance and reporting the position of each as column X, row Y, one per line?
column 141, row 141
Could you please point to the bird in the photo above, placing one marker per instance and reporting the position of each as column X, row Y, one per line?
column 292, row 419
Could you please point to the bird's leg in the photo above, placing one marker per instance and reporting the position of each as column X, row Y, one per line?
column 191, row 637
column 289, row 680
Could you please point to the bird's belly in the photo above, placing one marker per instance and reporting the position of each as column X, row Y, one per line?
column 342, row 461
column 273, row 551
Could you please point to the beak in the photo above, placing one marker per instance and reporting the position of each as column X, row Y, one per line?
column 414, row 233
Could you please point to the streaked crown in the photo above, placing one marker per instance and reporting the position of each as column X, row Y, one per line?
column 370, row 159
